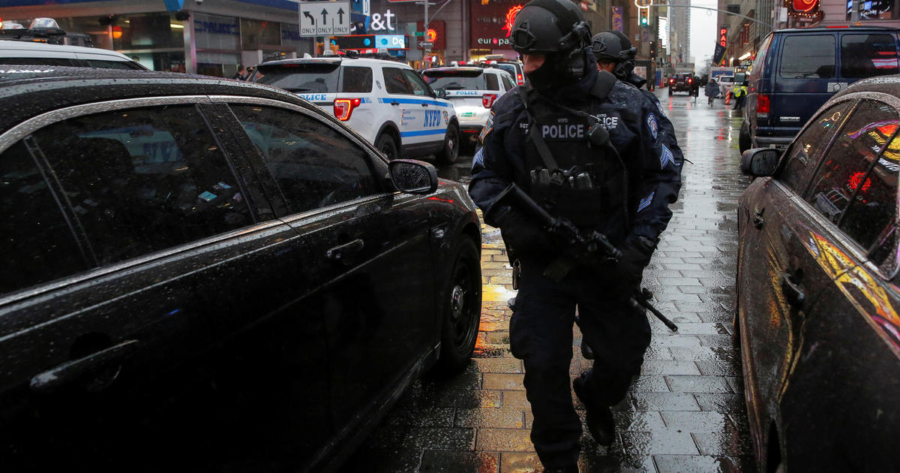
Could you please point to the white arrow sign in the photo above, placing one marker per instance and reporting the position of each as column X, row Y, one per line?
column 324, row 18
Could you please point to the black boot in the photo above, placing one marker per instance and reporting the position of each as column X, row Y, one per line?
column 599, row 418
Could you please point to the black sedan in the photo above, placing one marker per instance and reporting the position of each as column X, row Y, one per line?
column 818, row 296
column 210, row 275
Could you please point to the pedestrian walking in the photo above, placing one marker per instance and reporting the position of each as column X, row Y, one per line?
column 695, row 88
column 587, row 148
column 712, row 91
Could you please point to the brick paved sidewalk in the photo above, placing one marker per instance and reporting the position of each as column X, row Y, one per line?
column 685, row 413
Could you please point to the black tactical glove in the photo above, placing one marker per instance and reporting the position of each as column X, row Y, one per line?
column 636, row 253
column 522, row 234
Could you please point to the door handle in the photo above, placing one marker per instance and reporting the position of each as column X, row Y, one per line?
column 792, row 290
column 345, row 253
column 424, row 104
column 758, row 217
column 76, row 370
column 395, row 104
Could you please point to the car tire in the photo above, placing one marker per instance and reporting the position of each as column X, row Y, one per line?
column 744, row 142
column 461, row 314
column 386, row 144
column 450, row 152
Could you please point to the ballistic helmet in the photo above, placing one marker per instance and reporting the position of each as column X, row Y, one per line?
column 612, row 46
column 548, row 27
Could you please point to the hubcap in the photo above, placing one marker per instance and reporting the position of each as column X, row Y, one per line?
column 457, row 301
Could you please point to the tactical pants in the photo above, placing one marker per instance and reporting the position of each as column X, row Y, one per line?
column 541, row 335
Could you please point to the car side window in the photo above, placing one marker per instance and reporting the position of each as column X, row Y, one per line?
column 845, row 174
column 875, row 206
column 395, row 82
column 143, row 180
column 508, row 83
column 418, row 86
column 356, row 79
column 808, row 57
column 868, row 55
column 492, row 82
column 314, row 165
column 38, row 244
column 803, row 156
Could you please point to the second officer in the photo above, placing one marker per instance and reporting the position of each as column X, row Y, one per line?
column 544, row 139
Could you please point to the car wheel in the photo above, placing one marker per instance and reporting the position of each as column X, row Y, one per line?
column 461, row 309
column 450, row 152
column 744, row 137
column 386, row 144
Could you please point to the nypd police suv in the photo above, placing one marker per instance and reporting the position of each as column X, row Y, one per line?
column 386, row 102
column 473, row 91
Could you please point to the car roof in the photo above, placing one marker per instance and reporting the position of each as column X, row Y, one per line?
column 11, row 45
column 451, row 69
column 338, row 61
column 885, row 84
column 820, row 29
column 28, row 91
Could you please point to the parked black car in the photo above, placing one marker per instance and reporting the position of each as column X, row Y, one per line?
column 817, row 285
column 211, row 275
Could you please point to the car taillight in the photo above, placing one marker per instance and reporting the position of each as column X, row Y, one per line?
column 519, row 79
column 488, row 100
column 690, row 81
column 671, row 81
column 763, row 105
column 343, row 108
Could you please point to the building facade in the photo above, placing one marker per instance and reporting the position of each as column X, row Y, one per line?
column 213, row 37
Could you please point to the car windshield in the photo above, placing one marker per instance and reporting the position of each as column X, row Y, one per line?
column 312, row 78
column 508, row 68
column 455, row 80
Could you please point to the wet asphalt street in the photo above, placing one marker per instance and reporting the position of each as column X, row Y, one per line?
column 686, row 412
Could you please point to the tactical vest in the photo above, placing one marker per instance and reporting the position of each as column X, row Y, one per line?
column 589, row 185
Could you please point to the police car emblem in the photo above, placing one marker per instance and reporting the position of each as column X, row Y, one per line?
column 654, row 127
column 446, row 117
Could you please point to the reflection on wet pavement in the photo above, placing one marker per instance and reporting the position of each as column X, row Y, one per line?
column 686, row 411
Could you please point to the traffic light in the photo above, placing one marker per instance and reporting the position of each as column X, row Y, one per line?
column 644, row 16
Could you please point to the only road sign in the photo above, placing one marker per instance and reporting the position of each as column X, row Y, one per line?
column 324, row 18
column 425, row 44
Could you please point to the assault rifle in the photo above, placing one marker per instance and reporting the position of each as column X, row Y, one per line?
column 591, row 249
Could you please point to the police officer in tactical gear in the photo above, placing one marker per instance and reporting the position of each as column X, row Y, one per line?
column 615, row 54
column 620, row 181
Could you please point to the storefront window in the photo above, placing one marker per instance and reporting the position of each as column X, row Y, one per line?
column 147, row 31
column 255, row 33
column 874, row 10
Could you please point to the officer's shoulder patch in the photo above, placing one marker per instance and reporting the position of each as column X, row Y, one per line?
column 651, row 123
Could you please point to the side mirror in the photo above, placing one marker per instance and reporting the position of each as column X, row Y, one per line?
column 759, row 162
column 413, row 177
column 441, row 93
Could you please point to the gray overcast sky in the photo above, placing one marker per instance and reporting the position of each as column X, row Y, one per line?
column 704, row 30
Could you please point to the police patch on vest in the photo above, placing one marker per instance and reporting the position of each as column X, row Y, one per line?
column 562, row 128
column 651, row 123
column 610, row 122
